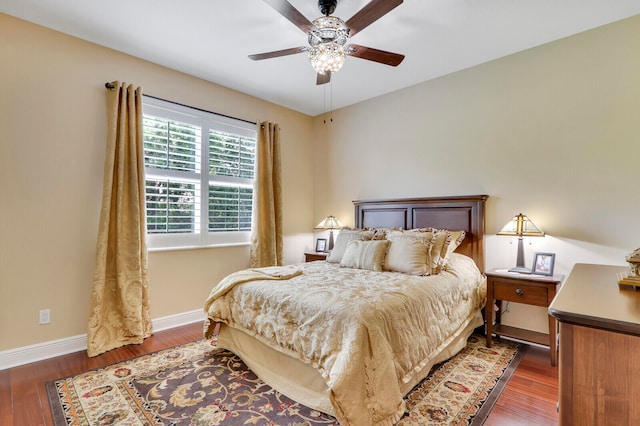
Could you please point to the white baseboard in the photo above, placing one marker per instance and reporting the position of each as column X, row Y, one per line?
column 177, row 320
column 38, row 352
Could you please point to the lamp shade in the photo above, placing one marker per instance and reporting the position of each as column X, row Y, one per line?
column 330, row 222
column 521, row 226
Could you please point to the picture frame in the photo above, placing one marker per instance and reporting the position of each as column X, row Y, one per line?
column 543, row 263
column 321, row 245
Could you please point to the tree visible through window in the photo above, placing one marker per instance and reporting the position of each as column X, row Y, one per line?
column 191, row 202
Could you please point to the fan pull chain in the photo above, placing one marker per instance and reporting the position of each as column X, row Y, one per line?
column 330, row 84
column 324, row 99
column 331, row 100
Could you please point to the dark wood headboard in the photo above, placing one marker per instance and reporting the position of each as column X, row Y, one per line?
column 457, row 213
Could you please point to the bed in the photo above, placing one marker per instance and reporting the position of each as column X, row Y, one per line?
column 361, row 336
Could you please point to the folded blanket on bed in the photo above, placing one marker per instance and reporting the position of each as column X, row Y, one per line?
column 230, row 281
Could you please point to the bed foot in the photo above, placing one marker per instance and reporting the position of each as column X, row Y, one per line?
column 210, row 328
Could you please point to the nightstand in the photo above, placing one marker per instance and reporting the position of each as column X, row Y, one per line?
column 536, row 290
column 310, row 257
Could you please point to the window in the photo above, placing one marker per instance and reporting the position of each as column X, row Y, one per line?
column 199, row 171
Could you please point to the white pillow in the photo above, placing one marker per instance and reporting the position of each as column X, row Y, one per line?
column 365, row 254
column 343, row 239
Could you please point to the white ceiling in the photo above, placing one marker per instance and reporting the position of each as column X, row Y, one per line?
column 211, row 39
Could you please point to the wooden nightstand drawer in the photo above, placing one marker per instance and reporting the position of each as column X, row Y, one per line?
column 310, row 257
column 521, row 293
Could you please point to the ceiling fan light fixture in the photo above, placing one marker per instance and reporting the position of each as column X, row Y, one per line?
column 327, row 57
column 327, row 40
column 328, row 36
column 328, row 28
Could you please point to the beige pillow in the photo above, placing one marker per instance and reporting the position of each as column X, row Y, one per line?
column 381, row 233
column 343, row 239
column 445, row 243
column 365, row 254
column 408, row 255
column 456, row 238
column 426, row 236
column 441, row 240
column 416, row 233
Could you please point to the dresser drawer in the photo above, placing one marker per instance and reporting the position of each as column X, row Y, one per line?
column 521, row 293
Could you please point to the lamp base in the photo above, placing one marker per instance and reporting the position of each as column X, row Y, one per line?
column 520, row 270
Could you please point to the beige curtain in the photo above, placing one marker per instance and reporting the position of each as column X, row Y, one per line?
column 119, row 312
column 266, row 229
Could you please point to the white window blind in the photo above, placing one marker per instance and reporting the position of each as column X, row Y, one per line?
column 191, row 202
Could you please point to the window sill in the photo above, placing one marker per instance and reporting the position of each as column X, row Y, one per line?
column 180, row 248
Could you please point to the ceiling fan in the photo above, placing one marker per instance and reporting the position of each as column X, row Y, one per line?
column 327, row 36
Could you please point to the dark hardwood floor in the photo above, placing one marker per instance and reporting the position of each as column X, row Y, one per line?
column 531, row 395
column 529, row 398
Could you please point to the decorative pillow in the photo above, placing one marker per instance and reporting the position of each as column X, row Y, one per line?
column 456, row 239
column 381, row 233
column 441, row 241
column 343, row 239
column 426, row 236
column 409, row 255
column 445, row 243
column 365, row 254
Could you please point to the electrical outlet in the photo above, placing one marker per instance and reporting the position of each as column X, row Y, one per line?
column 45, row 316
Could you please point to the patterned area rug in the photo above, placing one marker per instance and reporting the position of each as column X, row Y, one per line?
column 199, row 384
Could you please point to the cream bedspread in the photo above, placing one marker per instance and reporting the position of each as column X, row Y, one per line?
column 364, row 331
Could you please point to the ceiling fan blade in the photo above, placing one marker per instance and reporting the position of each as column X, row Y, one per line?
column 373, row 11
column 323, row 78
column 291, row 13
column 277, row 53
column 376, row 55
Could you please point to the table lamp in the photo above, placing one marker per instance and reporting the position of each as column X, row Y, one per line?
column 521, row 226
column 330, row 223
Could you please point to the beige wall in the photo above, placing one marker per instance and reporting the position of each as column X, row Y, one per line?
column 553, row 132
column 52, row 138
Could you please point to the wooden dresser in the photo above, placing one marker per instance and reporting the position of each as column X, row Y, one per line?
column 599, row 367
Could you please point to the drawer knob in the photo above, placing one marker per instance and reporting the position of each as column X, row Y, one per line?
column 519, row 292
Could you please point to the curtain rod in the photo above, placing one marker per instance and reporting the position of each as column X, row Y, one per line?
column 112, row 87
